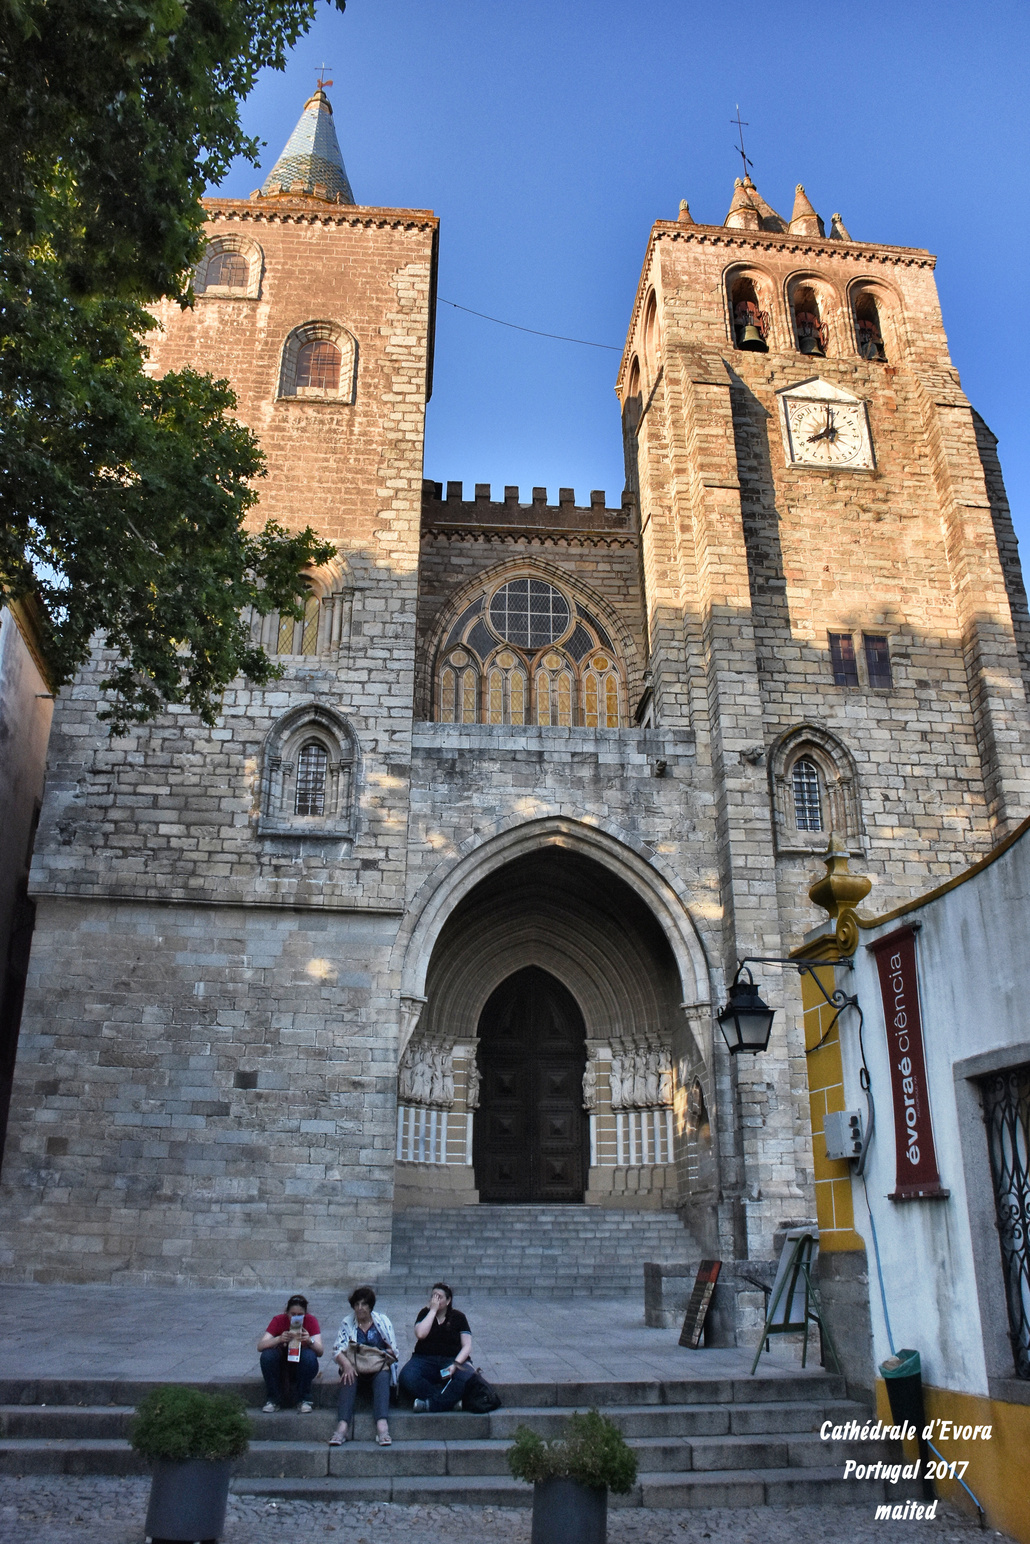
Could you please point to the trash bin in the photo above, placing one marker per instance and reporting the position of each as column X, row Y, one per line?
column 903, row 1376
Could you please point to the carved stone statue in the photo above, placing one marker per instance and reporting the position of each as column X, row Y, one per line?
column 426, row 1075
column 471, row 1084
column 590, row 1085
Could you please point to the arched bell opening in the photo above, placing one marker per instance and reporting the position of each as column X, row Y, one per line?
column 750, row 321
column 869, row 328
column 542, row 1065
column 811, row 331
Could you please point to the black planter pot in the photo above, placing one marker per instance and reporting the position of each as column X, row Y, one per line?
column 188, row 1501
column 566, row 1512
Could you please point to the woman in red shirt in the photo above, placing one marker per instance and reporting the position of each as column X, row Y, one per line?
column 272, row 1345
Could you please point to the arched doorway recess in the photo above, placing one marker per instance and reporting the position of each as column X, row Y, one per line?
column 531, row 1139
column 567, row 917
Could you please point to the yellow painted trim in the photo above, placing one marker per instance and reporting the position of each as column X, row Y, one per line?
column 865, row 921
column 834, row 1206
column 997, row 1469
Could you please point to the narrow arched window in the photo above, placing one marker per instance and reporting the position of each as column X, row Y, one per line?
column 229, row 269
column 318, row 366
column 600, row 694
column 808, row 808
column 554, row 692
column 506, row 691
column 312, row 772
column 299, row 637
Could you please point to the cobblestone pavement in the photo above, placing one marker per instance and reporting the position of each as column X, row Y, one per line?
column 49, row 1509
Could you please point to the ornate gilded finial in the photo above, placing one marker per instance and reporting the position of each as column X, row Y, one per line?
column 838, row 892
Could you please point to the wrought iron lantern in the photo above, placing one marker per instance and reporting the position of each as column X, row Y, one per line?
column 746, row 1021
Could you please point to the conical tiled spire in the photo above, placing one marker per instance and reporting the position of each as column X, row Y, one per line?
column 838, row 230
column 804, row 221
column 311, row 165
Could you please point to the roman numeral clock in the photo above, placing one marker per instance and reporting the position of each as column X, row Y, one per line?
column 825, row 427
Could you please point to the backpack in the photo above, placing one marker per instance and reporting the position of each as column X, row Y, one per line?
column 479, row 1397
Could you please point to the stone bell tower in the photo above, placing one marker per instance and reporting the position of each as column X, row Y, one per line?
column 216, row 908
column 833, row 596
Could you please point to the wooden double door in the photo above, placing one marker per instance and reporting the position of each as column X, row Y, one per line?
column 531, row 1136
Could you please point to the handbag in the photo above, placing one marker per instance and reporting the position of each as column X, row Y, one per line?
column 369, row 1359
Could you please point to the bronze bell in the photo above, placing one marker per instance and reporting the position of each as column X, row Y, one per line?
column 751, row 338
column 810, row 345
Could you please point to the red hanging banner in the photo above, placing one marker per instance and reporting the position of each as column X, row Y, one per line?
column 917, row 1173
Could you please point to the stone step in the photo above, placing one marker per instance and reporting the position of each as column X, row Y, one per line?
column 763, row 1389
column 727, row 1488
column 84, row 1423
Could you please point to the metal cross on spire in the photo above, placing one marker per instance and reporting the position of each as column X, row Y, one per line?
column 741, row 126
column 321, row 83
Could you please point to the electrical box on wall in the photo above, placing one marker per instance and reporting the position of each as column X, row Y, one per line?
column 843, row 1132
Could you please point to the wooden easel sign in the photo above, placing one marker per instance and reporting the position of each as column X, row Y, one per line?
column 697, row 1308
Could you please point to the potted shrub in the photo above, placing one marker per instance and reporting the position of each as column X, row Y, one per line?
column 571, row 1477
column 191, row 1438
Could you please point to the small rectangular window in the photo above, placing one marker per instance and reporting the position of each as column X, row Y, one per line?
column 842, row 657
column 877, row 659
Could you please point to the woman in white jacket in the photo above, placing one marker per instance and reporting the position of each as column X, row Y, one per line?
column 369, row 1328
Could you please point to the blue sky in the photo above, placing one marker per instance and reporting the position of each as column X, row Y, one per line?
column 548, row 137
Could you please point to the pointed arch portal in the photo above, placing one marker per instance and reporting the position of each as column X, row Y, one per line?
column 531, row 1132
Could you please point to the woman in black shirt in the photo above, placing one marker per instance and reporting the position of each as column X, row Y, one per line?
column 439, row 1367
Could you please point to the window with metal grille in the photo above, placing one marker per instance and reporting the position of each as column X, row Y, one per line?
column 312, row 770
column 842, row 658
column 228, row 269
column 529, row 612
column 1006, row 1109
column 318, row 367
column 808, row 807
column 877, row 659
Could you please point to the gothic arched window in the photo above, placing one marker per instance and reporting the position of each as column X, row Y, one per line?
column 506, row 690
column 524, row 652
column 808, row 804
column 553, row 691
column 312, row 772
column 308, row 775
column 601, row 694
column 750, row 321
column 299, row 637
column 815, row 791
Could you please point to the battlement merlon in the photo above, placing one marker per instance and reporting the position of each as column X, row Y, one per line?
column 440, row 512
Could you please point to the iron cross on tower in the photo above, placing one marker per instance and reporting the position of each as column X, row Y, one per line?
column 741, row 126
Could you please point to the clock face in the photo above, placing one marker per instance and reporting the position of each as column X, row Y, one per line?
column 827, row 433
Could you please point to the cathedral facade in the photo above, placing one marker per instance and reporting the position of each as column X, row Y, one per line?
column 444, row 916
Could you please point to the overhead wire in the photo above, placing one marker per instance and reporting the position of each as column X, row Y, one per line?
column 560, row 337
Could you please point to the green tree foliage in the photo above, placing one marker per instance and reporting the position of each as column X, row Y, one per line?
column 122, row 497
column 176, row 1424
column 593, row 1452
